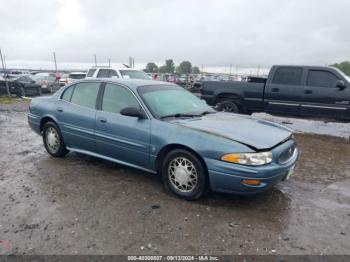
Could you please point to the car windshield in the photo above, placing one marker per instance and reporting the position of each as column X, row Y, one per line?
column 169, row 100
column 343, row 74
column 134, row 74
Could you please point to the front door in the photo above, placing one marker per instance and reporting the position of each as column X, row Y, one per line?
column 322, row 96
column 124, row 138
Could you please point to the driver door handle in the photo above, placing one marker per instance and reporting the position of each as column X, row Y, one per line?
column 59, row 109
column 102, row 119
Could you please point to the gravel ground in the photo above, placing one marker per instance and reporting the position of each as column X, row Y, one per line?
column 83, row 205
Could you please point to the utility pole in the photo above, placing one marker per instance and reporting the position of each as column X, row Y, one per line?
column 54, row 59
column 95, row 59
column 109, row 62
column 5, row 61
column 4, row 68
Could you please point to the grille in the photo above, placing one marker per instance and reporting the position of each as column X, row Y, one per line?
column 287, row 154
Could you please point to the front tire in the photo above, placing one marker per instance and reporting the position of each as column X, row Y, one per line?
column 53, row 140
column 184, row 174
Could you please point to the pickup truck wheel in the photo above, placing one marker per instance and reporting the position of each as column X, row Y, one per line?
column 228, row 106
column 53, row 140
column 184, row 174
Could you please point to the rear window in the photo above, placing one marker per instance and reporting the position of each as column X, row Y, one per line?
column 321, row 78
column 77, row 76
column 134, row 74
column 91, row 72
column 288, row 76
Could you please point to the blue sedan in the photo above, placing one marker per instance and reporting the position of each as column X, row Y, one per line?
column 161, row 128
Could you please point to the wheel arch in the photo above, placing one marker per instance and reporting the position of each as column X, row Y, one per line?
column 232, row 96
column 46, row 119
column 166, row 149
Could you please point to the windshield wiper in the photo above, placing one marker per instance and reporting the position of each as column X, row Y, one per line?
column 208, row 112
column 180, row 115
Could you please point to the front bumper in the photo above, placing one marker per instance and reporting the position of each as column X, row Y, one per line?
column 227, row 177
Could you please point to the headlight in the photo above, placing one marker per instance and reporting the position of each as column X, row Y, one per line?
column 250, row 159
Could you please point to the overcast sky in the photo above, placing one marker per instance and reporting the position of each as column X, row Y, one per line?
column 213, row 33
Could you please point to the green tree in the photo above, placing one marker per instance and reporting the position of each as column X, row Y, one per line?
column 162, row 69
column 185, row 67
column 343, row 66
column 170, row 66
column 195, row 70
column 151, row 68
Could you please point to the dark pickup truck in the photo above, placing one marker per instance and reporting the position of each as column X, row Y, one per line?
column 294, row 90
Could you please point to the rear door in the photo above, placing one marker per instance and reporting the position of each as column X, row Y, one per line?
column 76, row 114
column 322, row 96
column 124, row 138
column 284, row 90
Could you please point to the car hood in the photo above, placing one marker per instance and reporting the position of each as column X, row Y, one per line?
column 255, row 133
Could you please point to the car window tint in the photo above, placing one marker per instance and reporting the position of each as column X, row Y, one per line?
column 116, row 98
column 288, row 76
column 321, row 78
column 91, row 72
column 103, row 73
column 68, row 93
column 85, row 94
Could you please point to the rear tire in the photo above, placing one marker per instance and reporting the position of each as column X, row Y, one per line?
column 184, row 174
column 229, row 106
column 53, row 140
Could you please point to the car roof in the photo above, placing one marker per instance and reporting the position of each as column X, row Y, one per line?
column 131, row 83
column 115, row 68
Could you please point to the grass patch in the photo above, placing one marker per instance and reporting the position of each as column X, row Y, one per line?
column 9, row 99
column 6, row 100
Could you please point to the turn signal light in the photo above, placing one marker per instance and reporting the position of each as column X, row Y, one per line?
column 251, row 182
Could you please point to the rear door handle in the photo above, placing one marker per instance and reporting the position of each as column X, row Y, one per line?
column 102, row 120
column 59, row 109
column 275, row 89
column 308, row 92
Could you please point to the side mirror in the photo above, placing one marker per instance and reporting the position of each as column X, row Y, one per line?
column 340, row 84
column 133, row 112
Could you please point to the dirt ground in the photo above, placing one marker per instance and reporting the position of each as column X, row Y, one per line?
column 83, row 205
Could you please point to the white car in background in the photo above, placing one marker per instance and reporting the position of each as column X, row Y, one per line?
column 71, row 77
column 109, row 72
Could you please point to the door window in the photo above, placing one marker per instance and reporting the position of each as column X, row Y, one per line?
column 116, row 98
column 106, row 73
column 91, row 72
column 321, row 78
column 67, row 95
column 85, row 94
column 288, row 76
